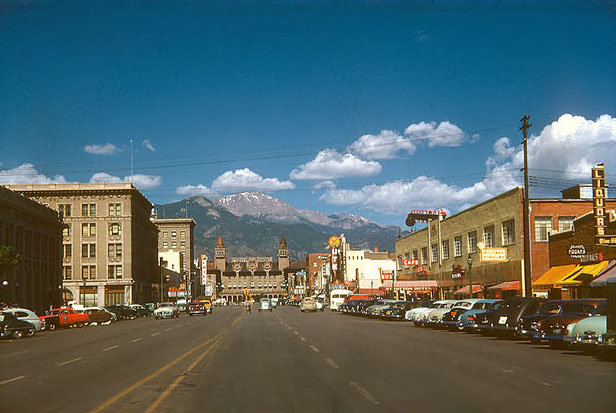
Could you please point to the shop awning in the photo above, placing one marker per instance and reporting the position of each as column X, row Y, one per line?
column 464, row 290
column 412, row 285
column 506, row 286
column 607, row 276
column 582, row 274
column 554, row 275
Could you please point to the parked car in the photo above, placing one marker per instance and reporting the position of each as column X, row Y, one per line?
column 505, row 322
column 265, row 304
column 308, row 304
column 415, row 314
column 166, row 310
column 141, row 310
column 434, row 317
column 208, row 306
column 451, row 318
column 528, row 324
column 397, row 311
column 418, row 307
column 361, row 307
column 376, row 309
column 11, row 326
column 554, row 328
column 467, row 319
column 122, row 312
column 196, row 307
column 482, row 322
column 585, row 333
column 64, row 317
column 98, row 316
column 24, row 314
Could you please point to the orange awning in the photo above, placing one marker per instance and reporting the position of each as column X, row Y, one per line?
column 554, row 275
column 581, row 274
column 506, row 286
column 464, row 290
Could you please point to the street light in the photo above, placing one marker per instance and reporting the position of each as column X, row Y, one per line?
column 84, row 290
column 469, row 261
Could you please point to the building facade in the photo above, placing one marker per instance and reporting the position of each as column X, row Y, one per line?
column 252, row 276
column 365, row 270
column 108, row 241
column 176, row 247
column 443, row 250
column 35, row 233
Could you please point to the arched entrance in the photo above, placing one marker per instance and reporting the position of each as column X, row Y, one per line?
column 67, row 295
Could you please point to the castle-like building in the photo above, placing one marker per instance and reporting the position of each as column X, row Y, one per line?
column 259, row 276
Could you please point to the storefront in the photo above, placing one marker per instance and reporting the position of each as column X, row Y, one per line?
column 410, row 290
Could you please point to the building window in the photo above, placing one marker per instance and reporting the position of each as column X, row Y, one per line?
column 407, row 255
column 174, row 234
column 424, row 255
column 488, row 236
column 88, row 272
column 508, row 232
column 182, row 244
column 114, row 250
column 399, row 261
column 68, row 250
column 174, row 244
column 183, row 234
column 115, row 229
column 415, row 254
column 434, row 253
column 543, row 226
column 472, row 242
column 457, row 246
column 88, row 250
column 68, row 273
column 65, row 210
column 165, row 234
column 88, row 210
column 445, row 248
column 165, row 244
column 114, row 271
column 66, row 232
column 115, row 210
column 565, row 224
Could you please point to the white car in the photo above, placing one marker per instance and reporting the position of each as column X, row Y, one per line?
column 166, row 310
column 265, row 304
column 434, row 316
column 423, row 318
column 24, row 314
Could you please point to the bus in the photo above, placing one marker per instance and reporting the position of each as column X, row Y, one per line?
column 337, row 297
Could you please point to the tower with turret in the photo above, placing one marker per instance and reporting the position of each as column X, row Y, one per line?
column 220, row 255
column 283, row 254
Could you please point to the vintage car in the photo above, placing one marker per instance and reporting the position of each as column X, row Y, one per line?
column 122, row 312
column 418, row 307
column 585, row 333
column 98, row 316
column 415, row 314
column 555, row 328
column 376, row 309
column 467, row 318
column 450, row 319
column 166, row 310
column 397, row 311
column 196, row 307
column 64, row 317
column 11, row 326
column 482, row 322
column 433, row 317
column 528, row 324
column 24, row 314
column 265, row 304
column 141, row 310
column 505, row 322
column 208, row 305
column 308, row 304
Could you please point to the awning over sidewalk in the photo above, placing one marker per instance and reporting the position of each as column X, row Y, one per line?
column 464, row 290
column 506, row 286
column 582, row 274
column 607, row 276
column 554, row 275
column 412, row 285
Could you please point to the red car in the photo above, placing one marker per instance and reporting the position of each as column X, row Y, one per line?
column 64, row 317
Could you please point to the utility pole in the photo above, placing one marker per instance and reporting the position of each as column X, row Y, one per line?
column 160, row 264
column 527, row 278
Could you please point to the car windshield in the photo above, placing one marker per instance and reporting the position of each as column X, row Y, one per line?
column 577, row 307
column 495, row 306
column 549, row 308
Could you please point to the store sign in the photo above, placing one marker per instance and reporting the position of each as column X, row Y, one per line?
column 207, row 291
column 334, row 242
column 334, row 259
column 599, row 195
column 387, row 275
column 422, row 271
column 423, row 215
column 577, row 251
column 493, row 255
column 410, row 263
column 457, row 272
column 203, row 259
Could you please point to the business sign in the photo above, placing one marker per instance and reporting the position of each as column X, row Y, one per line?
column 457, row 272
column 599, row 195
column 410, row 263
column 203, row 259
column 422, row 271
column 334, row 259
column 334, row 242
column 207, row 290
column 493, row 255
column 386, row 275
column 423, row 215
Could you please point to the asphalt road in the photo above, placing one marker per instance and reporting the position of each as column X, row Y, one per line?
column 295, row 362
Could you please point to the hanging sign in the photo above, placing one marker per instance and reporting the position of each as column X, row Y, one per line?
column 599, row 195
column 423, row 215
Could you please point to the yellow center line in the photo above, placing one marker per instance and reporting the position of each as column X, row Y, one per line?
column 161, row 370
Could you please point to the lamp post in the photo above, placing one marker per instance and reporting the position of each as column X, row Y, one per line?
column 469, row 261
column 5, row 284
column 83, row 303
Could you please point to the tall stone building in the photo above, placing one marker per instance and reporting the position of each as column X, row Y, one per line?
column 35, row 233
column 176, row 237
column 259, row 276
column 109, row 242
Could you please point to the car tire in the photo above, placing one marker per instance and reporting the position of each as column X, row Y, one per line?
column 30, row 332
column 17, row 334
column 51, row 327
column 106, row 323
column 79, row 325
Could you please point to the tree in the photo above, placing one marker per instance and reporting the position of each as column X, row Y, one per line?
column 8, row 259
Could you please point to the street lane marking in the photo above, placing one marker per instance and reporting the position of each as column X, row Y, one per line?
column 331, row 363
column 186, row 324
column 316, row 350
column 12, row 380
column 169, row 329
column 364, row 393
column 302, row 338
column 158, row 372
column 295, row 332
column 290, row 328
column 155, row 334
column 69, row 361
column 137, row 339
column 110, row 348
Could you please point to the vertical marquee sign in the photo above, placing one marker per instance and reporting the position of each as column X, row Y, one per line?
column 599, row 195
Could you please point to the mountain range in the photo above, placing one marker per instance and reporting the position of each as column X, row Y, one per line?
column 251, row 224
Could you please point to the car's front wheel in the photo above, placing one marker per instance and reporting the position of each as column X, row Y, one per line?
column 30, row 332
column 18, row 334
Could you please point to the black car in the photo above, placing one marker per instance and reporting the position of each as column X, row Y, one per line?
column 527, row 325
column 11, row 326
column 360, row 308
column 122, row 312
column 397, row 311
column 505, row 321
column 483, row 321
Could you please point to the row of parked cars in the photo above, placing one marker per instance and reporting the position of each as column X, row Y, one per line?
column 16, row 322
column 579, row 324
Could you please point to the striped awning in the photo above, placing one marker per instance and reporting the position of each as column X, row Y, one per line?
column 582, row 274
column 464, row 290
column 554, row 275
column 607, row 276
column 506, row 286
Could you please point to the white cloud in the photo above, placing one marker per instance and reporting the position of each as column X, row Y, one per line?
column 27, row 174
column 195, row 190
column 140, row 181
column 330, row 164
column 247, row 180
column 445, row 134
column 565, row 149
column 148, row 145
column 381, row 146
column 106, row 149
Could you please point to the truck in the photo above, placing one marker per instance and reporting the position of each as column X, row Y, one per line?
column 64, row 317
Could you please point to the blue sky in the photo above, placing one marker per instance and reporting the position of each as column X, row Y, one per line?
column 364, row 107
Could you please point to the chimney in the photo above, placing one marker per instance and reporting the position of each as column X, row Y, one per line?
column 376, row 248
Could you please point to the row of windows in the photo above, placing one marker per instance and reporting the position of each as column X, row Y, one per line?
column 543, row 226
column 89, row 250
column 174, row 234
column 89, row 272
column 89, row 210
column 271, row 284
column 89, row 230
column 174, row 244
